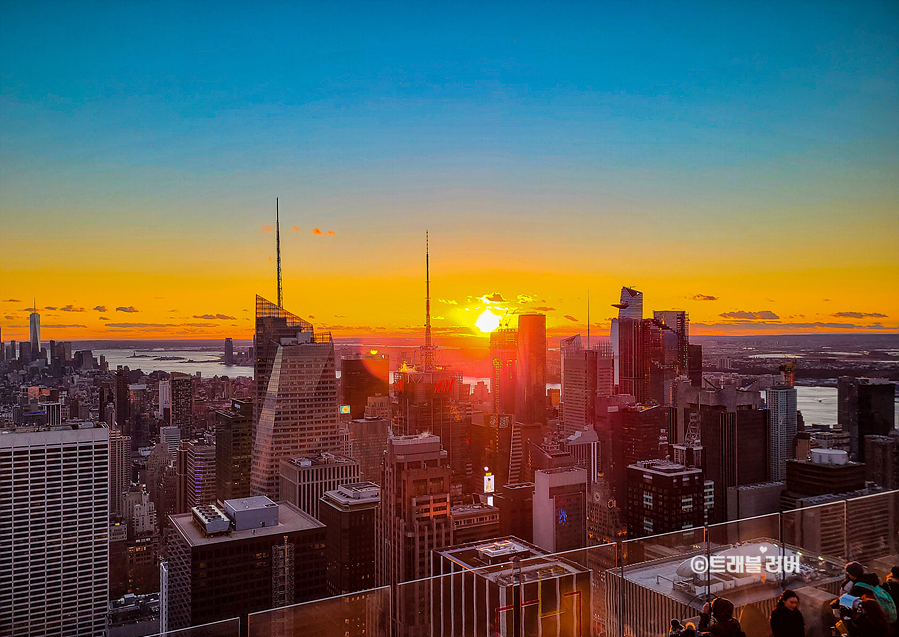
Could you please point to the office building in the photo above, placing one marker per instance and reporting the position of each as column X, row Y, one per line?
column 474, row 522
column 882, row 460
column 229, row 351
column 781, row 401
column 516, row 509
column 182, row 403
column 497, row 583
column 363, row 376
column 296, row 394
column 630, row 306
column 504, row 369
column 200, row 473
column 171, row 436
column 233, row 450
column 367, row 446
column 679, row 322
column 119, row 470
column 530, row 380
column 560, row 508
column 694, row 364
column 828, row 471
column 578, row 385
column 865, row 407
column 34, row 322
column 164, row 388
column 249, row 555
column 122, row 402
column 349, row 513
column 415, row 505
column 54, row 547
column 305, row 478
column 662, row 497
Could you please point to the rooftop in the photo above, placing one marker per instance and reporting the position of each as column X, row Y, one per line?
column 290, row 519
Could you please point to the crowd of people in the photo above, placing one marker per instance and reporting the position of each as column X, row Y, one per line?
column 866, row 607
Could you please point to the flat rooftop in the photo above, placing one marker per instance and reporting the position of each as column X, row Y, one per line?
column 290, row 519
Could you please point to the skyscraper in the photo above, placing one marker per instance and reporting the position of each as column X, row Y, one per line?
column 54, row 547
column 119, row 470
column 578, row 385
column 233, row 450
column 200, row 473
column 34, row 321
column 229, row 351
column 503, row 360
column 781, row 401
column 865, row 407
column 296, row 394
column 530, row 384
column 678, row 321
column 182, row 402
column 349, row 513
column 630, row 306
column 363, row 376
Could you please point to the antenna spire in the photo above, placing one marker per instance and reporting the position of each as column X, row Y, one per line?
column 588, row 319
column 428, row 349
column 278, row 242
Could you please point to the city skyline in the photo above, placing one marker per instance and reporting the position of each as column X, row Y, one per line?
column 738, row 163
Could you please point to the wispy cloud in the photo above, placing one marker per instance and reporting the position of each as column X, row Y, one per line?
column 295, row 228
column 100, row 308
column 130, row 308
column 496, row 297
column 703, row 297
column 543, row 308
column 129, row 325
column 64, row 327
column 743, row 314
column 316, row 231
column 72, row 308
column 525, row 298
column 50, row 307
column 569, row 317
column 267, row 228
column 214, row 317
column 329, row 233
column 448, row 301
column 858, row 315
column 103, row 318
column 12, row 300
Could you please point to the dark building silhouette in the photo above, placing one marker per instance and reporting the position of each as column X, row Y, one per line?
column 349, row 513
column 734, row 450
column 504, row 364
column 662, row 497
column 247, row 556
column 474, row 522
column 694, row 364
column 516, row 509
column 530, row 383
column 363, row 376
column 229, row 351
column 122, row 402
column 865, row 407
column 368, row 444
column 233, row 449
column 882, row 460
column 182, row 403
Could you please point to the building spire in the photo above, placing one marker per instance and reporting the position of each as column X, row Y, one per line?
column 428, row 349
column 278, row 243
column 588, row 319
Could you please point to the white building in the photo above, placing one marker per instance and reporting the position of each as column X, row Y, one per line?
column 54, row 547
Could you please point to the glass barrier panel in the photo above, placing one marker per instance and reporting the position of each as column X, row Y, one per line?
column 419, row 607
column 224, row 628
column 818, row 529
column 872, row 536
column 351, row 615
column 599, row 560
column 660, row 578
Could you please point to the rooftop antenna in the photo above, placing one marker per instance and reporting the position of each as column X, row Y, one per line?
column 278, row 242
column 588, row 319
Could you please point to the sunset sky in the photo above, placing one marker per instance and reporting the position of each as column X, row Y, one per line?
column 736, row 160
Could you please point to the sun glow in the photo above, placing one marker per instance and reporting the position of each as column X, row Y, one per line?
column 487, row 321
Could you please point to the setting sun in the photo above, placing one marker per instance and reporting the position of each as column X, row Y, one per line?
column 487, row 321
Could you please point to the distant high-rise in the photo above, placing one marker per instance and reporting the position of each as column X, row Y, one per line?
column 54, row 546
column 368, row 443
column 578, row 385
column 694, row 364
column 200, row 474
column 865, row 407
column 678, row 321
column 182, row 402
column 530, row 382
column 781, row 401
column 630, row 306
column 34, row 320
column 296, row 394
column 305, row 478
column 503, row 360
column 882, row 460
column 560, row 508
column 122, row 402
column 663, row 496
column 363, row 376
column 119, row 470
column 233, row 450
column 229, row 351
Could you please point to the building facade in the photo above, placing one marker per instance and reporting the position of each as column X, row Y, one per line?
column 233, row 450
column 305, row 478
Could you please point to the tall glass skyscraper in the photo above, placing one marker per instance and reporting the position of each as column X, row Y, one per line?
column 295, row 411
column 34, row 320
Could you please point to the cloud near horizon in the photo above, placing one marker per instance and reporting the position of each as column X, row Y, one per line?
column 100, row 308
column 448, row 301
column 496, row 297
column 569, row 317
column 267, row 228
column 743, row 314
column 130, row 308
column 858, row 315
column 12, row 300
column 50, row 308
column 703, row 297
column 72, row 308
column 544, row 309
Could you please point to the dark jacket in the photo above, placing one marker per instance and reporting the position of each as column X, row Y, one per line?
column 726, row 628
column 787, row 623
